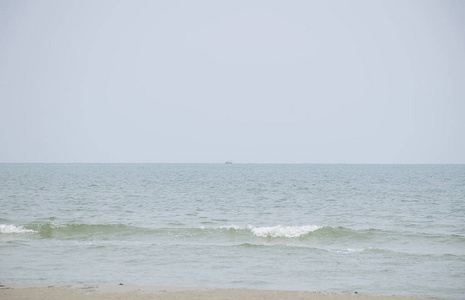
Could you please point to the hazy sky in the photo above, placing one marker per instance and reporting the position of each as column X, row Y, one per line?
column 248, row 81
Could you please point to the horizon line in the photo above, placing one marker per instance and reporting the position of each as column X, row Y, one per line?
column 238, row 163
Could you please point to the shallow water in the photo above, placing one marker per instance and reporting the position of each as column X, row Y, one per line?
column 379, row 229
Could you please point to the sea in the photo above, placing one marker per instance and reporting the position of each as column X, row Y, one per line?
column 370, row 229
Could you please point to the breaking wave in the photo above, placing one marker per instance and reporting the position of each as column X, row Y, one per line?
column 277, row 231
column 322, row 234
column 70, row 231
column 6, row 229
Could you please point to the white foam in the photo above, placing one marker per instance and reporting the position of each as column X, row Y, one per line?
column 14, row 229
column 283, row 231
column 235, row 227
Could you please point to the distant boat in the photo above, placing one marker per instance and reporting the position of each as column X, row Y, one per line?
column 228, row 162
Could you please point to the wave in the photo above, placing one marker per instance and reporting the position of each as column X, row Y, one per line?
column 84, row 231
column 9, row 229
column 304, row 231
column 51, row 230
column 284, row 231
column 231, row 234
column 279, row 231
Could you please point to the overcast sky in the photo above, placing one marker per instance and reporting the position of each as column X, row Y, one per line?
column 248, row 81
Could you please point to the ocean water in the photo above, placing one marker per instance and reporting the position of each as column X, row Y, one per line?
column 374, row 229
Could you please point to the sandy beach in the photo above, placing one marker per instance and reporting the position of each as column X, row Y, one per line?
column 102, row 292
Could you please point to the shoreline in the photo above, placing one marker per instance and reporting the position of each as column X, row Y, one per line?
column 16, row 291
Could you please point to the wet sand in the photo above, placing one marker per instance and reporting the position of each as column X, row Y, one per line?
column 107, row 292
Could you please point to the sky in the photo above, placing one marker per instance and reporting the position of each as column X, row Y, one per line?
column 248, row 81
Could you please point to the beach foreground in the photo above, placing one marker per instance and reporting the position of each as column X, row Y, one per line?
column 102, row 292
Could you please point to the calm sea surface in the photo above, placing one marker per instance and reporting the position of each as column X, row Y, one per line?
column 378, row 229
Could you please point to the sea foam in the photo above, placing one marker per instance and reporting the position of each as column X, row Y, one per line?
column 4, row 229
column 278, row 231
column 283, row 231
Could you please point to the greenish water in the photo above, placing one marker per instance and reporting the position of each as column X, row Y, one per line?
column 378, row 229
